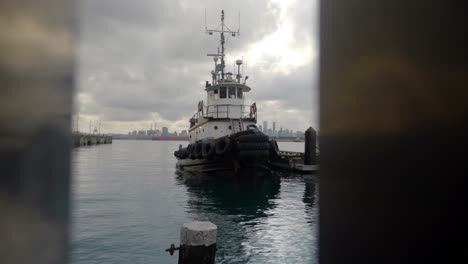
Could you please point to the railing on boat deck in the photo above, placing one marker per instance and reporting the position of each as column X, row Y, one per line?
column 225, row 111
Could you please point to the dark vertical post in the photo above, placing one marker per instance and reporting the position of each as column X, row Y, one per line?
column 310, row 146
column 197, row 243
column 36, row 80
column 393, row 131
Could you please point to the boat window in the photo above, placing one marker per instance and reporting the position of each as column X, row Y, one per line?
column 239, row 92
column 232, row 92
column 222, row 92
column 215, row 92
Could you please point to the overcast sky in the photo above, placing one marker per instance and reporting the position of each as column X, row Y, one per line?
column 145, row 61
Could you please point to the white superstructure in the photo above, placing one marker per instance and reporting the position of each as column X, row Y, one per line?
column 224, row 112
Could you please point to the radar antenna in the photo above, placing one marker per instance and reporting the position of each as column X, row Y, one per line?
column 222, row 31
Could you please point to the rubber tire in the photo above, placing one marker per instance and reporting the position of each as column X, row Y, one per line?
column 183, row 153
column 274, row 149
column 192, row 152
column 254, row 154
column 253, row 138
column 253, row 146
column 197, row 151
column 212, row 150
column 252, row 125
column 223, row 146
column 189, row 148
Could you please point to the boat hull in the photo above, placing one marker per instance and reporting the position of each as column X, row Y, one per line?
column 218, row 165
column 204, row 165
column 247, row 149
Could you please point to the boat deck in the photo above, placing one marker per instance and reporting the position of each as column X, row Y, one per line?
column 292, row 160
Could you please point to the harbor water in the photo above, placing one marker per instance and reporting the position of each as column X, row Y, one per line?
column 129, row 203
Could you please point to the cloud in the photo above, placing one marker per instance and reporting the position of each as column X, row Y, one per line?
column 141, row 59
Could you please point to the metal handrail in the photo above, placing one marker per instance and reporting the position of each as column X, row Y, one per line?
column 216, row 114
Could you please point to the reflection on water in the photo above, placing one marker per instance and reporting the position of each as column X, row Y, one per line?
column 129, row 204
column 262, row 217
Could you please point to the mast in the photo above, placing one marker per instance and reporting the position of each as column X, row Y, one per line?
column 222, row 41
column 222, row 44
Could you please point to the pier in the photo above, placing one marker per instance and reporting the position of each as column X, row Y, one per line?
column 81, row 139
column 306, row 162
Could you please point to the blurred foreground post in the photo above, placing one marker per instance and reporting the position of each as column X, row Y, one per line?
column 197, row 243
column 36, row 79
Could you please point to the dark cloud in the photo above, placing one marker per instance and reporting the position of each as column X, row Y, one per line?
column 141, row 57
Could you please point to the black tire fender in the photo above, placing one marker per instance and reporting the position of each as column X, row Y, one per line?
column 197, row 150
column 183, row 153
column 253, row 138
column 208, row 149
column 253, row 146
column 223, row 146
column 254, row 154
column 192, row 152
column 252, row 126
column 274, row 149
column 189, row 148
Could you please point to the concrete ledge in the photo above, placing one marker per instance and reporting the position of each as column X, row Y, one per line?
column 80, row 140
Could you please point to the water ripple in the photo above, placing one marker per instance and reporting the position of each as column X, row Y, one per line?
column 129, row 204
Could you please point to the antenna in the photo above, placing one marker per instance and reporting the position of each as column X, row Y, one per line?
column 222, row 31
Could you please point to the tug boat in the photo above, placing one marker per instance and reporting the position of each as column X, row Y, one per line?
column 223, row 134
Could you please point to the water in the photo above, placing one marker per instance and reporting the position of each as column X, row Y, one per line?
column 129, row 204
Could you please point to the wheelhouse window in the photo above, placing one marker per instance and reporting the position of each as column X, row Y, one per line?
column 232, row 92
column 215, row 94
column 239, row 92
column 222, row 92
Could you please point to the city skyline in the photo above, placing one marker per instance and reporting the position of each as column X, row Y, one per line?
column 164, row 131
column 96, row 125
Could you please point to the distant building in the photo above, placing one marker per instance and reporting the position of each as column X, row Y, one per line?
column 134, row 133
column 299, row 134
column 142, row 133
column 183, row 133
column 260, row 128
column 165, row 131
column 265, row 127
column 129, row 133
column 269, row 132
column 274, row 126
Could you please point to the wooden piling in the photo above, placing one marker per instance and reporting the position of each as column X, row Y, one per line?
column 197, row 243
column 310, row 147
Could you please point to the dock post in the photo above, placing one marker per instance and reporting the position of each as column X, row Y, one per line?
column 310, row 146
column 197, row 243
